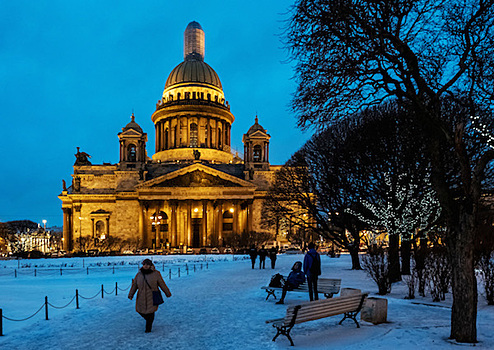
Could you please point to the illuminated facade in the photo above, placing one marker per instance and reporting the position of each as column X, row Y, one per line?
column 193, row 192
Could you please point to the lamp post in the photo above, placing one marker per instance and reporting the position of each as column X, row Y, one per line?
column 157, row 218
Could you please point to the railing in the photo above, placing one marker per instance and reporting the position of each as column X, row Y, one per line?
column 101, row 292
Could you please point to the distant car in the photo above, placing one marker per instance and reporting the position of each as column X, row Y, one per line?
column 128, row 252
column 175, row 251
column 228, row 251
column 203, row 251
column 190, row 251
column 215, row 251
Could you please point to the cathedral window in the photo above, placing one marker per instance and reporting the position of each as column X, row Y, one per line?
column 178, row 96
column 219, row 138
column 193, row 135
column 209, row 97
column 194, row 95
column 131, row 153
column 100, row 229
column 257, row 154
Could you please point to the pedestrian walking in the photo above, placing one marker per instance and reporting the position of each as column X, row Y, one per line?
column 147, row 281
column 263, row 253
column 253, row 255
column 273, row 255
column 312, row 269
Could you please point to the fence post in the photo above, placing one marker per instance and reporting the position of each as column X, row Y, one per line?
column 34, row 272
column 87, row 269
column 76, row 298
column 170, row 274
column 15, row 273
column 116, row 288
column 113, row 269
column 1, row 324
column 102, row 291
column 179, row 272
column 60, row 271
column 46, row 308
column 207, row 266
column 194, row 267
column 187, row 268
column 163, row 268
column 201, row 266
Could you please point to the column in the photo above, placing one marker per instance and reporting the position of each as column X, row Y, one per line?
column 173, row 229
column 67, row 234
column 236, row 217
column 188, row 132
column 141, row 225
column 92, row 225
column 220, row 223
column 204, row 222
column 249, row 216
column 107, row 227
column 156, row 143
column 189, row 223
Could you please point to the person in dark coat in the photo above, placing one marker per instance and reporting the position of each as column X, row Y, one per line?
column 312, row 269
column 294, row 279
column 147, row 280
column 253, row 255
column 263, row 253
column 272, row 256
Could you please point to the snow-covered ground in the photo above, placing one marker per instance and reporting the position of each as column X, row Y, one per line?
column 221, row 307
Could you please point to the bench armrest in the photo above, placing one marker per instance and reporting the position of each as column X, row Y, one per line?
column 275, row 320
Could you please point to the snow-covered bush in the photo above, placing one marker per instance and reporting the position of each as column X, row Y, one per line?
column 486, row 273
column 375, row 263
column 438, row 270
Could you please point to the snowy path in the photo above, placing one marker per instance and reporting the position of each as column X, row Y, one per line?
column 224, row 308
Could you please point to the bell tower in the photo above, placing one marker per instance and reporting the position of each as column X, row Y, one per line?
column 256, row 148
column 133, row 140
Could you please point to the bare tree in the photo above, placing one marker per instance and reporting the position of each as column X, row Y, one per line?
column 430, row 55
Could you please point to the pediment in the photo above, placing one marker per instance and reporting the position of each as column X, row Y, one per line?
column 196, row 175
column 259, row 134
column 130, row 132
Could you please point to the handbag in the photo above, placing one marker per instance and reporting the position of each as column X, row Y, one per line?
column 157, row 297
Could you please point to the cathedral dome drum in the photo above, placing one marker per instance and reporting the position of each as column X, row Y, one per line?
column 193, row 116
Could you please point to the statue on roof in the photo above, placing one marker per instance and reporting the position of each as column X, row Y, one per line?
column 197, row 154
column 81, row 158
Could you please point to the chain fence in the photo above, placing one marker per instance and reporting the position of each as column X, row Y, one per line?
column 101, row 292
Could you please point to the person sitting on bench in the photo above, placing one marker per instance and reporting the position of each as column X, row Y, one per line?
column 294, row 279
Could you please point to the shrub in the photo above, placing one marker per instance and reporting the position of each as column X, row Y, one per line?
column 438, row 271
column 375, row 263
column 486, row 273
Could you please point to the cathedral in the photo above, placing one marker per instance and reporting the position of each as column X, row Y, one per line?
column 193, row 192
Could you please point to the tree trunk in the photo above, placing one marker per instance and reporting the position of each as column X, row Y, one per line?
column 406, row 247
column 353, row 250
column 464, row 310
column 394, row 258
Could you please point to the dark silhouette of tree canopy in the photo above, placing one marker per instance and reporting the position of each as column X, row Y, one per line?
column 436, row 57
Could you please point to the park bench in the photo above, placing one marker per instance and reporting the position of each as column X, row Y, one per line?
column 326, row 286
column 349, row 305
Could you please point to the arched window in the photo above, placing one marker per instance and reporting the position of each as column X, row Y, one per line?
column 227, row 214
column 193, row 135
column 228, row 220
column 131, row 153
column 257, row 154
column 178, row 96
column 209, row 97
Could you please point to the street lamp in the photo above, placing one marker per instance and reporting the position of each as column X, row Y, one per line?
column 157, row 218
column 44, row 224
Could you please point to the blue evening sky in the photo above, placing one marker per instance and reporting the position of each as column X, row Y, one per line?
column 72, row 72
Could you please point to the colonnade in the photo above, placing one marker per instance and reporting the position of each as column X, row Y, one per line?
column 193, row 223
column 176, row 132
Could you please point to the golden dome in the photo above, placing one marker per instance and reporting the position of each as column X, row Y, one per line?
column 193, row 71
